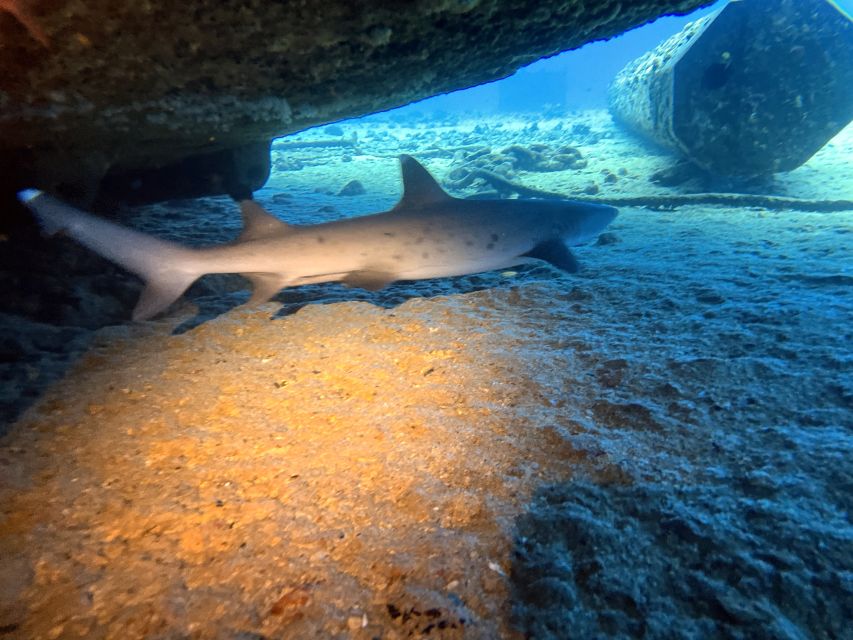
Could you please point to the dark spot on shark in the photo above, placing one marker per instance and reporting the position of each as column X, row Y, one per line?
column 425, row 255
column 321, row 239
column 397, row 257
column 390, row 234
column 490, row 246
column 495, row 237
column 469, row 243
column 419, row 240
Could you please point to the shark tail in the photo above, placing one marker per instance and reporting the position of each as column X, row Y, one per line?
column 168, row 269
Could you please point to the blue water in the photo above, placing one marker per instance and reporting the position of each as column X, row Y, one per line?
column 575, row 79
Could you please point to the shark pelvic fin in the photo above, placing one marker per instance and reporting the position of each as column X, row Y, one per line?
column 264, row 286
column 259, row 223
column 419, row 187
column 371, row 280
column 556, row 253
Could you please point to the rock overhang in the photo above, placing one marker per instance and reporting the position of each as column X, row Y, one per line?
column 126, row 89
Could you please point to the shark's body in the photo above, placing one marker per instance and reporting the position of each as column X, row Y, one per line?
column 428, row 234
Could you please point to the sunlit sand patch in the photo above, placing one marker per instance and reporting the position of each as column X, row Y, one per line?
column 355, row 471
column 348, row 469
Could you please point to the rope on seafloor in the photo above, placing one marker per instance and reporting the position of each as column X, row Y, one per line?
column 666, row 202
column 290, row 145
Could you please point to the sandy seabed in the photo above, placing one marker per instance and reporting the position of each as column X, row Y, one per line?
column 658, row 446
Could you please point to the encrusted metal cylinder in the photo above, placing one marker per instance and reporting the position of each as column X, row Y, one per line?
column 756, row 88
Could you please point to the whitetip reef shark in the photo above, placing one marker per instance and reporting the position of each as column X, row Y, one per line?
column 427, row 234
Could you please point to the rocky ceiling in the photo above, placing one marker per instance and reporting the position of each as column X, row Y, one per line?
column 96, row 92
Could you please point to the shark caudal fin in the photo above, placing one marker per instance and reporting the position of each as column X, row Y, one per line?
column 160, row 292
column 168, row 269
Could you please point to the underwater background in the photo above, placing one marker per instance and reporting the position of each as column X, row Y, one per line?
column 658, row 446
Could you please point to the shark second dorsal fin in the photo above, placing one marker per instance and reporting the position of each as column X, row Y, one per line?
column 259, row 223
column 419, row 187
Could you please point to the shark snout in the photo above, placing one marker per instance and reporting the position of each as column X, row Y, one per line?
column 593, row 219
column 600, row 216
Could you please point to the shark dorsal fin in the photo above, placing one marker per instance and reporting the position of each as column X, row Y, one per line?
column 419, row 187
column 259, row 223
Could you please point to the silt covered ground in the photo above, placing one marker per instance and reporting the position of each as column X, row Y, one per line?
column 657, row 446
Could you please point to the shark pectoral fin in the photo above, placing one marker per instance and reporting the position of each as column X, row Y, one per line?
column 264, row 286
column 259, row 223
column 368, row 279
column 555, row 252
